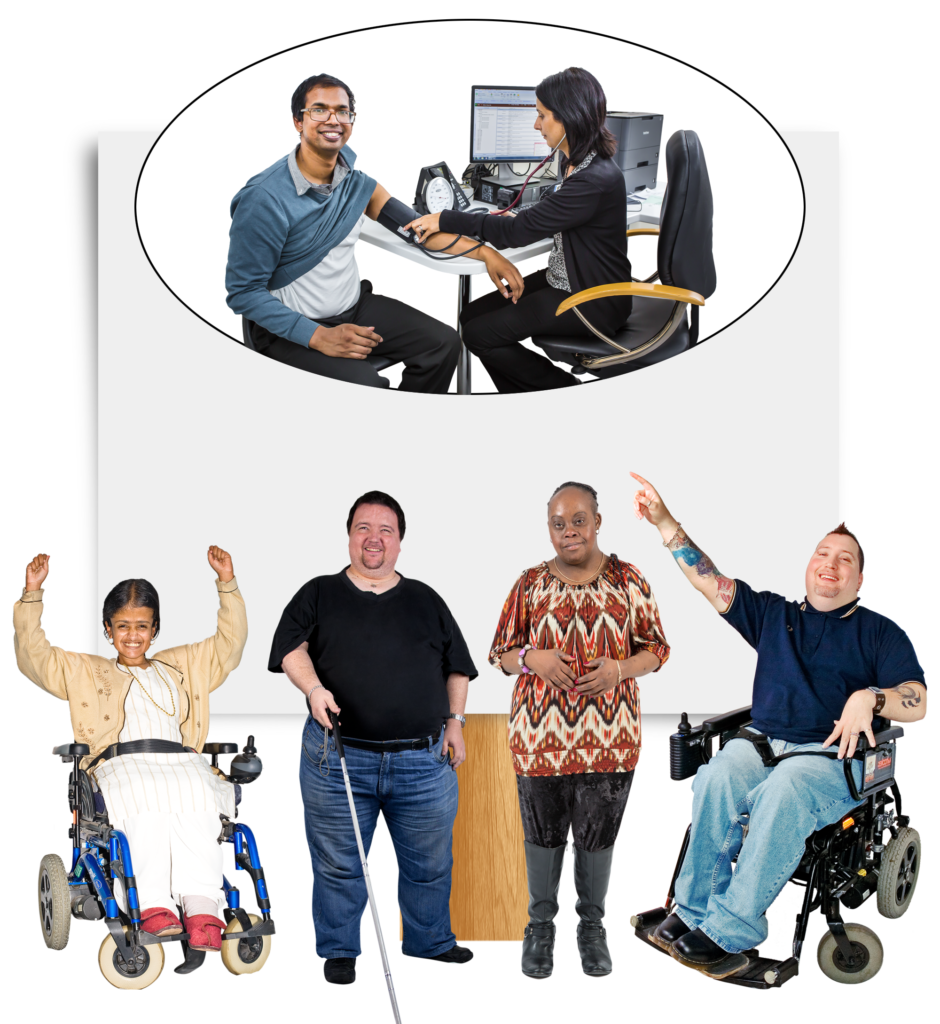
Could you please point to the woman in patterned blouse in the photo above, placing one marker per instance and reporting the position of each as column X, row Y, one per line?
column 578, row 631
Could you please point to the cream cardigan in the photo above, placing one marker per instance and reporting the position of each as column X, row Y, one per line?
column 96, row 688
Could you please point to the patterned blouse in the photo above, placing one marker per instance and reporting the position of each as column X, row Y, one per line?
column 557, row 275
column 553, row 732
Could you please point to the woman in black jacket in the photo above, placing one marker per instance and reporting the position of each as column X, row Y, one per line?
column 587, row 215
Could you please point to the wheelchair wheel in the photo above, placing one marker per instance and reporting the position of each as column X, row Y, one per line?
column 869, row 956
column 245, row 956
column 900, row 865
column 55, row 911
column 141, row 971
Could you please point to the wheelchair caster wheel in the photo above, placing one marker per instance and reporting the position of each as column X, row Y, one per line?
column 138, row 972
column 245, row 956
column 868, row 956
column 54, row 901
column 897, row 878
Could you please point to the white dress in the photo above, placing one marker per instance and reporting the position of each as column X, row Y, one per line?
column 183, row 783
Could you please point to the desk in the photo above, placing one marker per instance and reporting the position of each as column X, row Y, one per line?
column 464, row 268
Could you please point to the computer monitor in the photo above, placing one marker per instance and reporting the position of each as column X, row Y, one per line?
column 501, row 125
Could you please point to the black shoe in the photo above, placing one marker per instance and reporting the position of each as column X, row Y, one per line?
column 538, row 945
column 669, row 930
column 341, row 970
column 454, row 955
column 698, row 948
column 591, row 878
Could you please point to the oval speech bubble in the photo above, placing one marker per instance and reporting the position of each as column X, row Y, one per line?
column 413, row 87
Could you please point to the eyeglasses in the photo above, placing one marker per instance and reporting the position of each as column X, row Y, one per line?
column 322, row 114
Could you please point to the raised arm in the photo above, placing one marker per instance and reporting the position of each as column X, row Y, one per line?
column 697, row 567
column 48, row 667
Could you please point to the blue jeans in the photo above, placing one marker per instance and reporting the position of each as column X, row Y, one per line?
column 416, row 790
column 781, row 806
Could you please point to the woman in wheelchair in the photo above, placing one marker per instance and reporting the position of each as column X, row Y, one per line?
column 144, row 720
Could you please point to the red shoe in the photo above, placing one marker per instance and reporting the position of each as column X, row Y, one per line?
column 160, row 921
column 205, row 931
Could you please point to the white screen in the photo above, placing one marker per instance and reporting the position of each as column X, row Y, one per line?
column 266, row 460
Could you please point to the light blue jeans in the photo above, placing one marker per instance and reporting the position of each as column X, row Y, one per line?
column 781, row 806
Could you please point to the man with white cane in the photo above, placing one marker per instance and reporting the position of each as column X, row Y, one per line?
column 383, row 653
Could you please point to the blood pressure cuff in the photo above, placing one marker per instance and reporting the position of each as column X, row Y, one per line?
column 395, row 215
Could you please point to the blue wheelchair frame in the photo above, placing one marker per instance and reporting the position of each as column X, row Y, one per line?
column 101, row 854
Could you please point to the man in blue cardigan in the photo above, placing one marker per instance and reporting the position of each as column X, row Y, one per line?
column 292, row 269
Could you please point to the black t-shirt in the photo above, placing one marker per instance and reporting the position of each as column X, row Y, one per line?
column 384, row 657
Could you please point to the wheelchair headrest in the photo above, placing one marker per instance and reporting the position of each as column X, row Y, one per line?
column 685, row 230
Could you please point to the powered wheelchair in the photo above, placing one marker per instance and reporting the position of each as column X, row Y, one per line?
column 846, row 862
column 130, row 958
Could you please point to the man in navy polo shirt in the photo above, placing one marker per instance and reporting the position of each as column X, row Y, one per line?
column 825, row 667
column 292, row 271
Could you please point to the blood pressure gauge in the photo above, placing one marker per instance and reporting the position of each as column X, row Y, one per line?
column 438, row 195
column 439, row 190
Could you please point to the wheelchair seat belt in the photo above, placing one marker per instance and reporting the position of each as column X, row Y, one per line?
column 141, row 747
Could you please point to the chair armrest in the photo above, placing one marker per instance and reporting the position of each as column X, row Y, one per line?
column 648, row 291
column 729, row 720
column 641, row 231
column 220, row 748
column 71, row 750
column 893, row 732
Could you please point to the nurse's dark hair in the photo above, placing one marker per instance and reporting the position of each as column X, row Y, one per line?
column 575, row 97
column 378, row 498
column 298, row 101
column 133, row 593
column 587, row 488
column 843, row 531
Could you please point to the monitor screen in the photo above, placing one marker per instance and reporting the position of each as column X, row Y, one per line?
column 501, row 125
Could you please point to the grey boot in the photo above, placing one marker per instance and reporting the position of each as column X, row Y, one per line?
column 543, row 869
column 591, row 876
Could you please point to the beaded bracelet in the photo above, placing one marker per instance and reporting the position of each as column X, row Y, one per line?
column 525, row 650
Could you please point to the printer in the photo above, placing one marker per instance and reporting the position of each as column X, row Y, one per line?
column 638, row 137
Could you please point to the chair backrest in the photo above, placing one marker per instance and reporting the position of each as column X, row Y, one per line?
column 685, row 226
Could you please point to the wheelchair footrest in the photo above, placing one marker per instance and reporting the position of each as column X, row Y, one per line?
column 761, row 972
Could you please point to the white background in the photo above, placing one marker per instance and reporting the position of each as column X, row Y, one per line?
column 409, row 121
column 427, row 450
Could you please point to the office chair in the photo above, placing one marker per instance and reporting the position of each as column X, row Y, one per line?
column 377, row 362
column 657, row 328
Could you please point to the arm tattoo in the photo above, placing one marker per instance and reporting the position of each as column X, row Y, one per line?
column 910, row 698
column 684, row 549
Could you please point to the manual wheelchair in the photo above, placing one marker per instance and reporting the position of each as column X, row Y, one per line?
column 846, row 862
column 130, row 958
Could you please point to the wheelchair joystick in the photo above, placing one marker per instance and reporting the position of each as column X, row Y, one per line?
column 246, row 766
column 685, row 757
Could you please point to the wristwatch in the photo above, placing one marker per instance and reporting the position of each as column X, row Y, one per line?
column 459, row 718
column 879, row 699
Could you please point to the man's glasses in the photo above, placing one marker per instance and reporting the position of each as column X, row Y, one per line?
column 322, row 114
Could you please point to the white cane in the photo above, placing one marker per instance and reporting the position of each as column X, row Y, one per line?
column 365, row 867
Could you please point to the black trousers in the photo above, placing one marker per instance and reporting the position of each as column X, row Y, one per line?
column 494, row 326
column 590, row 804
column 428, row 348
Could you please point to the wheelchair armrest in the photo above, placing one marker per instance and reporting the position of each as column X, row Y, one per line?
column 70, row 750
column 220, row 748
column 729, row 720
column 886, row 735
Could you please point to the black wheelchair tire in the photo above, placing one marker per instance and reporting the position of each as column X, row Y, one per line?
column 55, row 911
column 898, row 874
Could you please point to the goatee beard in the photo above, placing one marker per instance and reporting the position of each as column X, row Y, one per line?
column 820, row 591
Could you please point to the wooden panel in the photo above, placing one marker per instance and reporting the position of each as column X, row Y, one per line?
column 489, row 893
column 489, row 898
